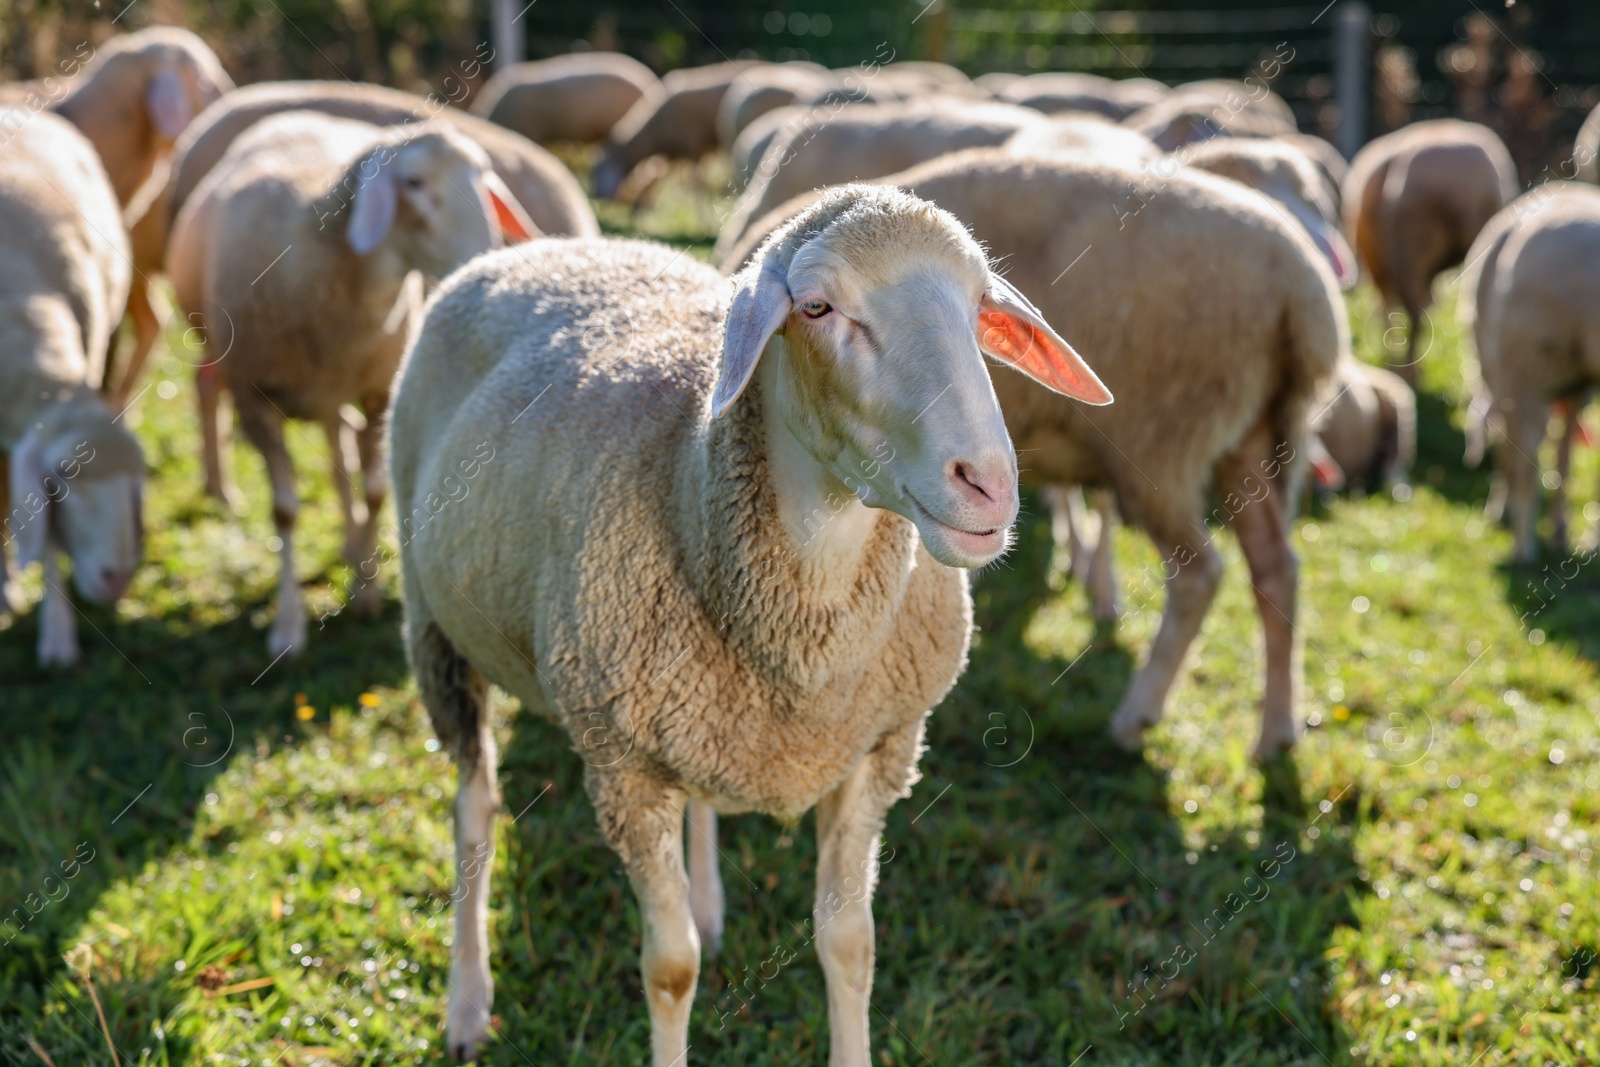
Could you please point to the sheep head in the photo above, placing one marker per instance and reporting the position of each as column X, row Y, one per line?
column 874, row 309
column 434, row 196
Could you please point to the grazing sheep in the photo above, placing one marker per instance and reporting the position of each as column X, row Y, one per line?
column 679, row 122
column 301, row 240
column 866, row 141
column 1330, row 164
column 767, row 88
column 1083, row 137
column 132, row 101
column 548, row 192
column 1215, row 321
column 76, row 475
column 568, row 98
column 1365, row 423
column 790, row 495
column 995, row 82
column 1056, row 93
column 1414, row 202
column 1531, row 300
column 1283, row 173
column 1185, row 119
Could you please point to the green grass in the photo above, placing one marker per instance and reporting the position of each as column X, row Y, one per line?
column 265, row 889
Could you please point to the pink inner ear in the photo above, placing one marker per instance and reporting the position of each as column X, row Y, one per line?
column 1030, row 350
column 511, row 227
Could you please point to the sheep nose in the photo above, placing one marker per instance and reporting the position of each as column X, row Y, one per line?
column 990, row 485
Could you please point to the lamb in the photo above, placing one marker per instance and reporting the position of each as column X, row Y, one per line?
column 1055, row 93
column 1530, row 302
column 1216, row 322
column 1414, row 202
column 794, row 511
column 174, row 76
column 302, row 239
column 576, row 98
column 1365, row 424
column 866, row 141
column 679, row 122
column 545, row 189
column 76, row 474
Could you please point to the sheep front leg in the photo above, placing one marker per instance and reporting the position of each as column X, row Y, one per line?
column 58, row 630
column 706, row 898
column 642, row 820
column 1192, row 570
column 263, row 425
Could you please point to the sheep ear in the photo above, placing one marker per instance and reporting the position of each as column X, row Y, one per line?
column 28, row 528
column 1013, row 331
column 761, row 303
column 506, row 212
column 166, row 101
column 373, row 211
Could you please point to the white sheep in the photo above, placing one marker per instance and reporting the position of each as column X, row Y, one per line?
column 1083, row 136
column 1057, row 93
column 1531, row 301
column 300, row 241
column 1365, row 424
column 576, row 98
column 861, row 141
column 76, row 474
column 1216, row 322
column 679, row 122
column 787, row 495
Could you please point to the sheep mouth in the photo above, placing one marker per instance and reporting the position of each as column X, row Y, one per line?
column 972, row 542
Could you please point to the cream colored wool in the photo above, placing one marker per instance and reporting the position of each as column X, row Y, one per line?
column 574, row 98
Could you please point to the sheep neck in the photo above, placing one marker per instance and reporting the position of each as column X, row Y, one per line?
column 799, row 576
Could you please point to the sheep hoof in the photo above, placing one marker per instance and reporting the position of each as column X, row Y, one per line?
column 1128, row 732
column 287, row 636
column 467, row 1029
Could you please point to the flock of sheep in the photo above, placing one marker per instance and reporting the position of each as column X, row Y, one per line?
column 718, row 524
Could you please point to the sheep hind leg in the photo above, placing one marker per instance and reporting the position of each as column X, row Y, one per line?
column 263, row 425
column 1518, row 461
column 208, row 388
column 706, row 899
column 342, row 458
column 368, row 597
column 1192, row 570
column 148, row 322
column 457, row 699
column 1263, row 537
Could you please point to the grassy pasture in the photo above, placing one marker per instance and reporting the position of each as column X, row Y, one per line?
column 261, row 855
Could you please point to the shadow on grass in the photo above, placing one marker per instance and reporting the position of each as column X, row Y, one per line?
column 1558, row 595
column 1042, row 894
column 110, row 760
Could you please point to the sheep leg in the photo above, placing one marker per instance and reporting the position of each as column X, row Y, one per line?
column 368, row 597
column 10, row 591
column 705, row 880
column 263, row 425
column 208, row 390
column 849, row 824
column 1102, row 581
column 58, row 630
column 1525, row 426
column 343, row 458
column 1273, row 575
column 457, row 699
column 643, row 823
column 1559, row 535
column 148, row 323
column 1064, row 530
column 1192, row 570
column 1414, row 321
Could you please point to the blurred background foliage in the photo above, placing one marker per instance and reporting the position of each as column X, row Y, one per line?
column 1528, row 68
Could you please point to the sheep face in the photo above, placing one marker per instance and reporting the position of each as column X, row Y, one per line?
column 878, row 368
column 101, row 529
column 436, row 198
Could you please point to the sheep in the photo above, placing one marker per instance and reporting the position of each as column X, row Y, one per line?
column 1330, row 164
column 1215, row 321
column 767, row 88
column 866, row 141
column 576, row 98
column 76, row 474
column 1529, row 301
column 1414, row 202
column 679, row 122
column 133, row 100
column 301, row 240
column 1365, row 424
column 1188, row 118
column 1055, row 93
column 545, row 189
column 796, row 523
column 1083, row 137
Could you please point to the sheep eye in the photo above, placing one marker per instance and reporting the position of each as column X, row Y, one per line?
column 412, row 181
column 815, row 309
